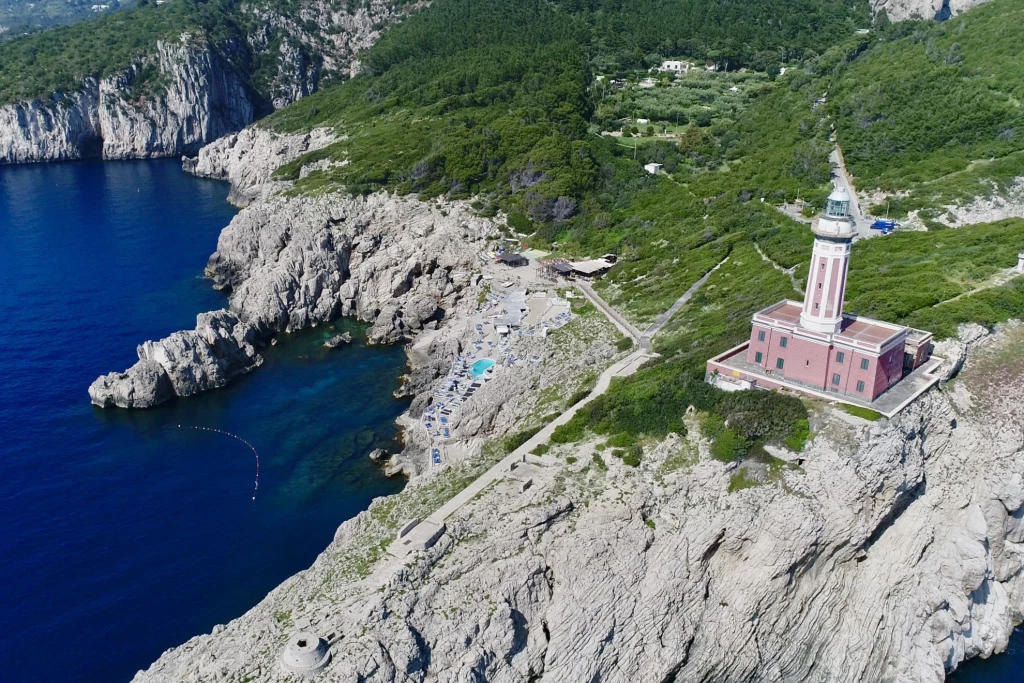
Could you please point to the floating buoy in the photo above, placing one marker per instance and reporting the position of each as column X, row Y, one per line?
column 256, row 483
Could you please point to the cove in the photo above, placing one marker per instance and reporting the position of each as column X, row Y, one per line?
column 121, row 534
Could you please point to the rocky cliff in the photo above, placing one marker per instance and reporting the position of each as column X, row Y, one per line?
column 191, row 91
column 899, row 10
column 248, row 159
column 886, row 551
column 291, row 263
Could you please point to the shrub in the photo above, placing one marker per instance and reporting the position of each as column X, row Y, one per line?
column 599, row 462
column 578, row 396
column 797, row 440
column 621, row 440
column 541, row 449
column 624, row 344
column 728, row 446
column 518, row 439
column 570, row 432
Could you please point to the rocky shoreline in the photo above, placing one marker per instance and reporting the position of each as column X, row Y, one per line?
column 893, row 551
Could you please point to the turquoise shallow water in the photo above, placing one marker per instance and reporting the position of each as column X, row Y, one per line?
column 481, row 366
column 120, row 534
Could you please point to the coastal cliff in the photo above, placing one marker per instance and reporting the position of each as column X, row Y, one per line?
column 291, row 263
column 189, row 91
column 901, row 10
column 890, row 550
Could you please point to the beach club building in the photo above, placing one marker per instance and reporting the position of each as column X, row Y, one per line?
column 812, row 346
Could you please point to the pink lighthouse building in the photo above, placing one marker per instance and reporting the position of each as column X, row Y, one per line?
column 811, row 345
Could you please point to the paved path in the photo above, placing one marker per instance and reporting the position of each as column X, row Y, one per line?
column 788, row 271
column 860, row 222
column 623, row 368
column 617, row 318
column 661, row 320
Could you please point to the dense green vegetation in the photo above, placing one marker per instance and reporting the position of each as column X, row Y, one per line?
column 904, row 277
column 21, row 16
column 936, row 107
column 492, row 98
column 58, row 60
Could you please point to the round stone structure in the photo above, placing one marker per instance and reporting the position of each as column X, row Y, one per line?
column 306, row 653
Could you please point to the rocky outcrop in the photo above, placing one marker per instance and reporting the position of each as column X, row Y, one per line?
column 900, row 10
column 143, row 385
column 191, row 91
column 320, row 42
column 248, row 159
column 291, row 263
column 337, row 340
column 183, row 364
column 892, row 553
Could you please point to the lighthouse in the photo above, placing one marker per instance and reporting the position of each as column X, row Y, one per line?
column 811, row 346
column 826, row 283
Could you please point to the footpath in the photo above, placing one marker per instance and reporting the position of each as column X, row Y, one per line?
column 424, row 533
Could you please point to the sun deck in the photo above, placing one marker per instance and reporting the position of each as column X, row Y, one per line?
column 855, row 331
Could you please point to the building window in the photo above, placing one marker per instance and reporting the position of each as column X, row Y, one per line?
column 760, row 336
column 823, row 266
column 783, row 342
column 836, row 379
column 807, row 363
column 860, row 387
column 779, row 363
column 819, row 285
column 815, row 306
column 840, row 356
column 864, row 363
column 757, row 357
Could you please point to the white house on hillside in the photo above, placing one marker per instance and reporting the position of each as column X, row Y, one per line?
column 677, row 66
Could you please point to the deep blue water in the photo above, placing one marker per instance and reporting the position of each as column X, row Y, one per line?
column 1007, row 667
column 121, row 535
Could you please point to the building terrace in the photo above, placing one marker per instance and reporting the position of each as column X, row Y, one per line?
column 815, row 348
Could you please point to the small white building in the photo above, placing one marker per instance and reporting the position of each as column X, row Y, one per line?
column 647, row 83
column 675, row 66
column 652, row 168
column 1020, row 262
column 642, row 122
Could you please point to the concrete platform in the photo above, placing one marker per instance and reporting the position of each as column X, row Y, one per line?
column 734, row 372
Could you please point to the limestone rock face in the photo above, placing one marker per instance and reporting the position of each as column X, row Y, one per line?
column 297, row 262
column 201, row 100
column 183, row 364
column 143, row 385
column 292, row 263
column 218, row 349
column 62, row 128
column 204, row 99
column 899, row 10
column 892, row 554
column 188, row 92
column 248, row 159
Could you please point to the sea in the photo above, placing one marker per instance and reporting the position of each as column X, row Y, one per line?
column 124, row 533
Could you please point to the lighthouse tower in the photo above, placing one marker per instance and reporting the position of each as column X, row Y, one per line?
column 826, row 285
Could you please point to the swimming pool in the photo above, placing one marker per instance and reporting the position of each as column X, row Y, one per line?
column 481, row 366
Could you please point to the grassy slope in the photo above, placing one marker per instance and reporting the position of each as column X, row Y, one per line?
column 918, row 114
